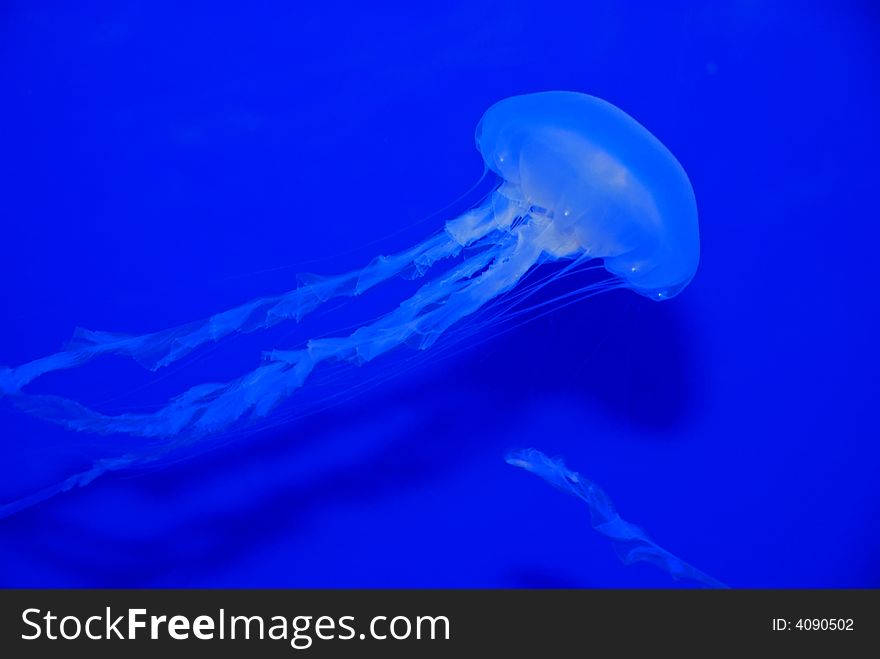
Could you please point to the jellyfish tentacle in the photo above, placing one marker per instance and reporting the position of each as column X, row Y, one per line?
column 497, row 213
column 80, row 479
column 159, row 349
column 315, row 290
column 211, row 407
column 631, row 543
column 523, row 252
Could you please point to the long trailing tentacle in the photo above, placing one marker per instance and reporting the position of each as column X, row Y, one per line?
column 159, row 349
column 631, row 542
column 206, row 408
column 422, row 318
column 504, row 245
column 80, row 479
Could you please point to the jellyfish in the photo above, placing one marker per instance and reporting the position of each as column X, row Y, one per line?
column 580, row 184
column 631, row 542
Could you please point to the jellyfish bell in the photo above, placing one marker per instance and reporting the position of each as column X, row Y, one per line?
column 613, row 189
column 580, row 181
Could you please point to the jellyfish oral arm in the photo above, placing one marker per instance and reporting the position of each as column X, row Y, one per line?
column 631, row 543
column 159, row 349
column 499, row 260
column 492, row 270
column 523, row 251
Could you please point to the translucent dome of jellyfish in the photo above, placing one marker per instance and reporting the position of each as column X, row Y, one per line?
column 582, row 184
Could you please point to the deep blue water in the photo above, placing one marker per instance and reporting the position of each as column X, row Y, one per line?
column 163, row 163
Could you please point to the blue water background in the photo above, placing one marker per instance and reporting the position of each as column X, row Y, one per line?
column 164, row 161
